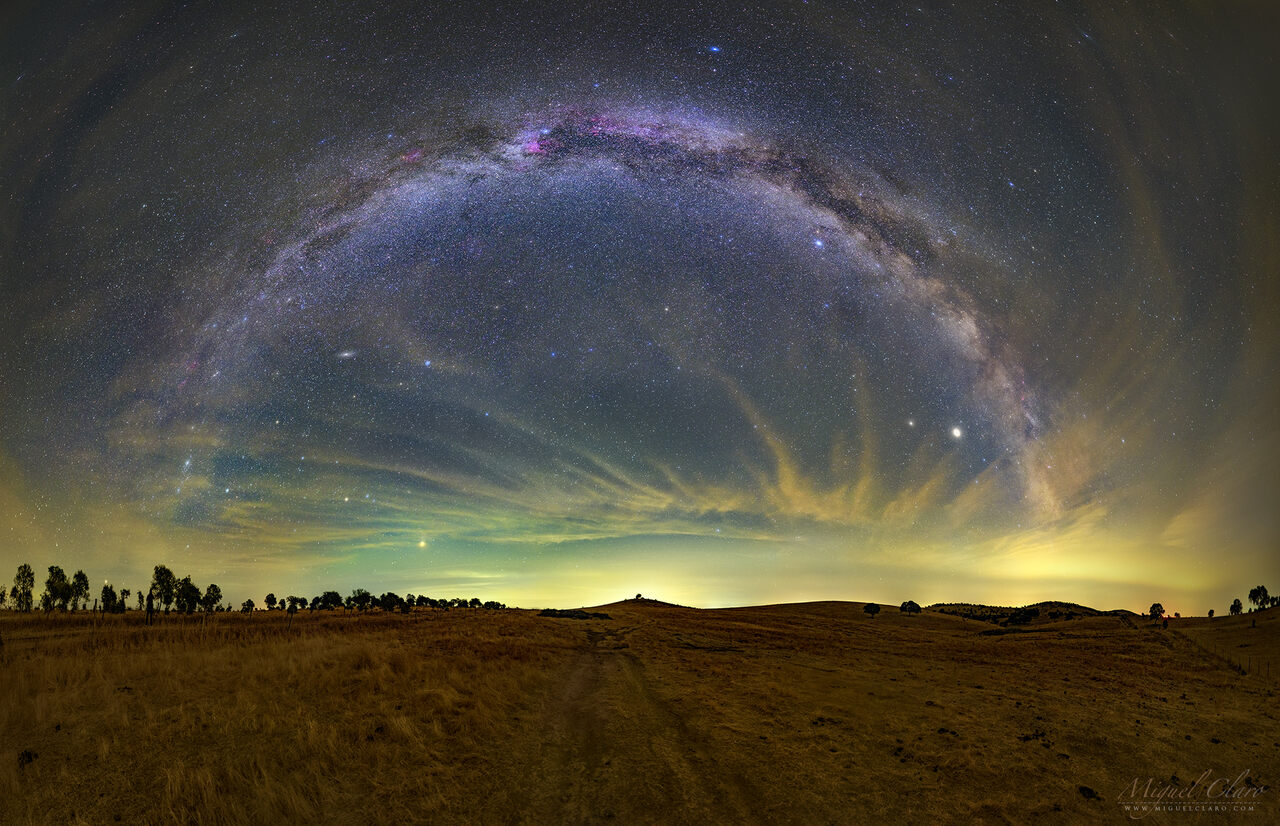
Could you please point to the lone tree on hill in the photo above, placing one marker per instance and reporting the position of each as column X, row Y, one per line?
column 1259, row 597
column 909, row 607
column 270, row 600
column 1210, row 613
column 23, row 583
column 871, row 609
column 1156, row 611
column 163, row 582
column 1236, row 608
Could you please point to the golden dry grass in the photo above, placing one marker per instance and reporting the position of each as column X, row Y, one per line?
column 778, row 714
column 248, row 719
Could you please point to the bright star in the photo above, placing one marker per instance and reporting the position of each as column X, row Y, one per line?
column 956, row 433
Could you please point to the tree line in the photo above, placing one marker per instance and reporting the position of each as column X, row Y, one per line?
column 167, row 592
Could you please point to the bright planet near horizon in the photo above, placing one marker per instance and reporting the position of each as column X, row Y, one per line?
column 552, row 304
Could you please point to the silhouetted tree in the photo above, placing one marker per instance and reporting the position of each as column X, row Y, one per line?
column 123, row 604
column 330, row 600
column 187, row 596
column 79, row 590
column 57, row 590
column 423, row 601
column 270, row 600
column 389, row 601
column 1023, row 615
column 246, row 606
column 474, row 603
column 3, row 595
column 212, row 596
column 1156, row 611
column 108, row 599
column 23, row 584
column 361, row 598
column 871, row 609
column 909, row 607
column 1259, row 597
column 141, row 596
column 1236, row 608
column 1210, row 613
column 163, row 583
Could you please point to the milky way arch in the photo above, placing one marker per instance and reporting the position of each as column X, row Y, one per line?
column 368, row 331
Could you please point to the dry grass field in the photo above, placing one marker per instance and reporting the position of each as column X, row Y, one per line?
column 810, row 713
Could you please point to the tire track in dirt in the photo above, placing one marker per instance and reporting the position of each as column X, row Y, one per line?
column 616, row 751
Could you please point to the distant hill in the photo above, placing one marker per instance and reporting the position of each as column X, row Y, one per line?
column 636, row 602
column 1040, row 611
column 1002, row 615
column 1051, row 605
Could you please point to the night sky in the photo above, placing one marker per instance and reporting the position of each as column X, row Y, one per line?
column 553, row 303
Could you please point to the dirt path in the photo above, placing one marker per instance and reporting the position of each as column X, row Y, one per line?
column 616, row 751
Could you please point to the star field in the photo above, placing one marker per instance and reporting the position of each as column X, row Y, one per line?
column 557, row 303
